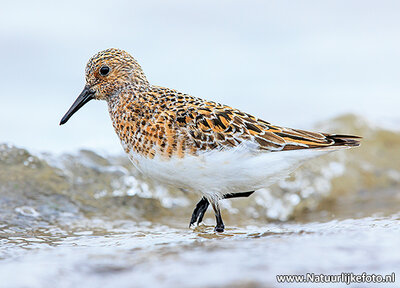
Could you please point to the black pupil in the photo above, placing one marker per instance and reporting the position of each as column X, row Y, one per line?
column 104, row 70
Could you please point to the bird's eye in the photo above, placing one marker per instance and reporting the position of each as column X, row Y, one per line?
column 104, row 70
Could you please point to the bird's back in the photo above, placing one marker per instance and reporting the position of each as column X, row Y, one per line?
column 166, row 123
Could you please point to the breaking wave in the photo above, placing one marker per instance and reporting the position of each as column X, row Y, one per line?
column 37, row 188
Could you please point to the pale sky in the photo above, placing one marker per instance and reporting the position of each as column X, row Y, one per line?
column 289, row 62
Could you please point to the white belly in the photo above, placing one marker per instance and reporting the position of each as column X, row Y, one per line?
column 216, row 173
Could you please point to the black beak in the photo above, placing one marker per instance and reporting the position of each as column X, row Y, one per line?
column 85, row 96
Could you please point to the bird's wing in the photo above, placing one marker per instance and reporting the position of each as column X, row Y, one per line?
column 215, row 126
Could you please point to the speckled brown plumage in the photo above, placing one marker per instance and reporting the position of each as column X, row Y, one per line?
column 161, row 120
column 155, row 120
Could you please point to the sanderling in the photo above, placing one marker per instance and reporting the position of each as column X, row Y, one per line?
column 189, row 143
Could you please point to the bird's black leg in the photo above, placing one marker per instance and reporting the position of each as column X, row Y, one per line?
column 202, row 211
column 220, row 224
column 198, row 212
column 238, row 195
column 202, row 206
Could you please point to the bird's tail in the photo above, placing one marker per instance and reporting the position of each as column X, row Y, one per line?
column 340, row 142
column 345, row 140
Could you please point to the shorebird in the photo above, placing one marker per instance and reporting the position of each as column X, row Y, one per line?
column 193, row 144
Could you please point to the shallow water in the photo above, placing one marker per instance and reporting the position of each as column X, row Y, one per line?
column 127, row 254
column 87, row 220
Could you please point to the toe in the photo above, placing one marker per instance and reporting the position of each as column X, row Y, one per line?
column 219, row 229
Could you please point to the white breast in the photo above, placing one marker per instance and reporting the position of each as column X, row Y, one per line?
column 216, row 173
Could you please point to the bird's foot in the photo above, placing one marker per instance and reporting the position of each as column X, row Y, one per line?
column 219, row 228
column 196, row 225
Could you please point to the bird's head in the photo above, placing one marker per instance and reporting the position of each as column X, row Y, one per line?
column 106, row 73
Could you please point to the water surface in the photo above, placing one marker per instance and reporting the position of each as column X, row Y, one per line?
column 90, row 220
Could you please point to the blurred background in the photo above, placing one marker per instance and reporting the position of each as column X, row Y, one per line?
column 75, row 213
column 290, row 63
